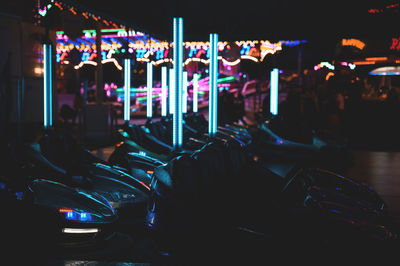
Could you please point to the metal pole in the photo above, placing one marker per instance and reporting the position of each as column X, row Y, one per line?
column 84, row 109
column 99, row 68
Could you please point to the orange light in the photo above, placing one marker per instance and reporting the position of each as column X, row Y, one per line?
column 364, row 62
column 72, row 10
column 59, row 6
column 64, row 210
column 150, row 172
column 329, row 75
column 376, row 58
column 353, row 42
column 119, row 144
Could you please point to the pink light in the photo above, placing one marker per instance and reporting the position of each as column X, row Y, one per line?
column 118, row 99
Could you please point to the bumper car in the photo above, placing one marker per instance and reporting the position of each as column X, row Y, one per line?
column 42, row 217
column 312, row 149
column 57, row 157
column 220, row 200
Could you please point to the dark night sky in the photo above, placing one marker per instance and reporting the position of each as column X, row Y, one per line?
column 251, row 19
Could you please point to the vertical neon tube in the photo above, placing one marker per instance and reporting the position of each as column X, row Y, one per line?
column 171, row 91
column 195, row 92
column 274, row 91
column 184, row 96
column 163, row 91
column 127, row 91
column 149, row 109
column 213, row 93
column 47, row 87
column 178, row 67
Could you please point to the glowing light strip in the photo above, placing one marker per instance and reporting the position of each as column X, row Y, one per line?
column 93, row 63
column 213, row 93
column 376, row 58
column 127, row 94
column 149, row 109
column 171, row 91
column 196, row 78
column 184, row 96
column 178, row 67
column 164, row 91
column 113, row 60
column 45, row 74
column 249, row 57
column 274, row 91
column 234, row 63
column 80, row 230
column 47, row 87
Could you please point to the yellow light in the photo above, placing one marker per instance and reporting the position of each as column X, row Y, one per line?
column 234, row 63
column 249, row 57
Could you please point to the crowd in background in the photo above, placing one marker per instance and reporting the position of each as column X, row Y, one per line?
column 335, row 109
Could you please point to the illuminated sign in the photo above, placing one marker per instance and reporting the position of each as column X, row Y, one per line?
column 395, row 44
column 353, row 42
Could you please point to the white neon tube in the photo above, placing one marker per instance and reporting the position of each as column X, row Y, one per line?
column 45, row 74
column 184, row 96
column 149, row 109
column 274, row 91
column 171, row 91
column 213, row 93
column 127, row 91
column 80, row 230
column 47, row 87
column 163, row 91
column 195, row 92
column 178, row 66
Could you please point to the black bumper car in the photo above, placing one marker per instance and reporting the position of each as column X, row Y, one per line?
column 57, row 157
column 43, row 217
column 220, row 202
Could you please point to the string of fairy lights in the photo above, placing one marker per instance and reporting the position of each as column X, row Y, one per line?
column 119, row 41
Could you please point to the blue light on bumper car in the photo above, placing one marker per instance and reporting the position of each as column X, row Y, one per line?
column 76, row 216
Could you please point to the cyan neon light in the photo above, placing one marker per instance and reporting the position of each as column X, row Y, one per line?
column 127, row 94
column 149, row 109
column 178, row 67
column 171, row 92
column 47, row 87
column 184, row 96
column 274, row 91
column 196, row 78
column 164, row 91
column 213, row 90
